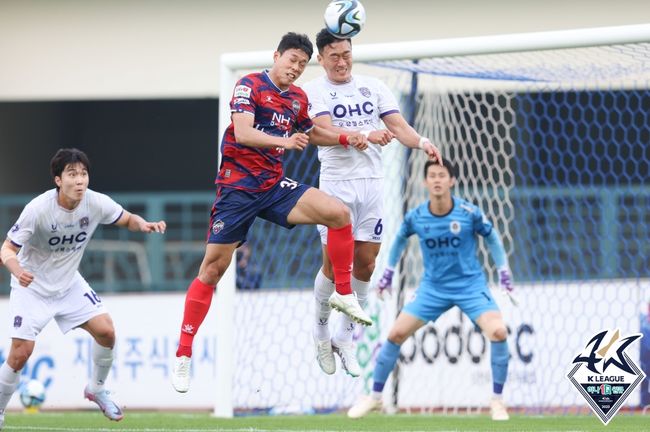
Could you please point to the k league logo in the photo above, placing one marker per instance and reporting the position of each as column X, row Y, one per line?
column 604, row 374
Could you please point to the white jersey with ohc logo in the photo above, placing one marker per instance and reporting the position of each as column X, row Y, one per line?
column 53, row 239
column 358, row 105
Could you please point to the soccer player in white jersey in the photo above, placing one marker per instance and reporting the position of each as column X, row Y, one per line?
column 342, row 102
column 447, row 227
column 42, row 251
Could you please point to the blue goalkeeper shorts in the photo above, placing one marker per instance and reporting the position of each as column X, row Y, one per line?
column 235, row 210
column 430, row 303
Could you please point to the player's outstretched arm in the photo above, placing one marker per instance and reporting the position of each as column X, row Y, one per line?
column 8, row 255
column 409, row 137
column 495, row 246
column 381, row 136
column 324, row 137
column 133, row 222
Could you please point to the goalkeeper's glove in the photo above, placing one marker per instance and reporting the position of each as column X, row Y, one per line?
column 506, row 284
column 385, row 283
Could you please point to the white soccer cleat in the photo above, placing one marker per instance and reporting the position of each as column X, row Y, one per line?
column 103, row 400
column 325, row 356
column 364, row 406
column 498, row 409
column 181, row 374
column 348, row 354
column 349, row 305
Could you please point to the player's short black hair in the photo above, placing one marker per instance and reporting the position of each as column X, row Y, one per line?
column 65, row 157
column 451, row 169
column 324, row 38
column 293, row 40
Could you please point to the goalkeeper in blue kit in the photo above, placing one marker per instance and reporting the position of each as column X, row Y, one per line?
column 447, row 227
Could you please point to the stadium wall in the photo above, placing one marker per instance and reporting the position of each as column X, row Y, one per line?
column 66, row 49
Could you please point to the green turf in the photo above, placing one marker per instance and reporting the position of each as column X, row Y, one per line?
column 168, row 422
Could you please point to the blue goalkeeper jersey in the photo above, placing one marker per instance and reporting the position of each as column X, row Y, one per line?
column 448, row 244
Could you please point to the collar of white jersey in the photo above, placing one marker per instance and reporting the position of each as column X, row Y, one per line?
column 339, row 84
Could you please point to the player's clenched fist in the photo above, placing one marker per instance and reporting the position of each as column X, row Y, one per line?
column 381, row 137
column 25, row 278
column 358, row 141
column 297, row 141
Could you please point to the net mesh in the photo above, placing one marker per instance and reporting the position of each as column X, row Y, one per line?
column 553, row 146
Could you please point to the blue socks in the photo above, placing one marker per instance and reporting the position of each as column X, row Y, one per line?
column 389, row 353
column 386, row 360
column 499, row 358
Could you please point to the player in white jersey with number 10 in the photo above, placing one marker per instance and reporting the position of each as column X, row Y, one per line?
column 42, row 251
column 342, row 102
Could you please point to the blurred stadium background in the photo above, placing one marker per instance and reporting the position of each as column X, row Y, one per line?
column 135, row 85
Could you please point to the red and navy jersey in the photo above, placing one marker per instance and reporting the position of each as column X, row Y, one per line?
column 278, row 113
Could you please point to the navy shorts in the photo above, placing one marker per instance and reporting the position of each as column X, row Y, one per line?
column 235, row 210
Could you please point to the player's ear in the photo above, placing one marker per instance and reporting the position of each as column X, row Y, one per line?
column 320, row 59
column 276, row 56
column 57, row 181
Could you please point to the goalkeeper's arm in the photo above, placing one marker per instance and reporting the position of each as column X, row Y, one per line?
column 495, row 246
column 386, row 281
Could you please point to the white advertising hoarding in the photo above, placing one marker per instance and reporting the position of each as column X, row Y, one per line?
column 444, row 365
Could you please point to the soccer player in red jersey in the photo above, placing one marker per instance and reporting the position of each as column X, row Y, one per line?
column 269, row 116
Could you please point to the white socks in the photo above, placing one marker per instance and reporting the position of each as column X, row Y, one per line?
column 102, row 360
column 323, row 289
column 346, row 326
column 9, row 380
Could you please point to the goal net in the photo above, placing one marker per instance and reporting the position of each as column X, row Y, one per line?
column 550, row 133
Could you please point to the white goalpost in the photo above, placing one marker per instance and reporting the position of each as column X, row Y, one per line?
column 522, row 116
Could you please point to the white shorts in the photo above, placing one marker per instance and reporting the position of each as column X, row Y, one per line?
column 365, row 200
column 31, row 312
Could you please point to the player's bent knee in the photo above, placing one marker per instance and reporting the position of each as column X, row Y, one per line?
column 212, row 272
column 105, row 336
column 338, row 215
column 363, row 271
column 398, row 336
column 499, row 334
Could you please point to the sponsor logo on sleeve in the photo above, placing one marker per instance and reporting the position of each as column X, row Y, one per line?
column 242, row 91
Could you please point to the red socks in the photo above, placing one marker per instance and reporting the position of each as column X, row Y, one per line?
column 197, row 305
column 340, row 248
